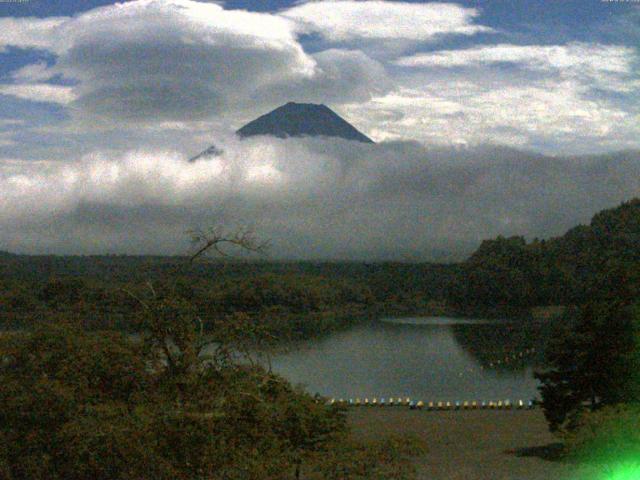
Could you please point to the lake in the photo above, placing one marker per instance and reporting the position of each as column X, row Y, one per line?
column 431, row 358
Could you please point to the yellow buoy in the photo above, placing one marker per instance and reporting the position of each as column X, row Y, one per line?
column 420, row 404
column 465, row 405
column 374, row 402
column 357, row 402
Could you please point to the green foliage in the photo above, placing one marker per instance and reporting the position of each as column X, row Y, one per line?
column 592, row 363
column 62, row 290
column 77, row 405
column 599, row 262
column 295, row 293
column 52, row 377
column 607, row 436
column 498, row 275
column 291, row 301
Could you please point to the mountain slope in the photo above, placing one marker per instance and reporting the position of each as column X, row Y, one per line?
column 302, row 119
column 210, row 152
column 599, row 261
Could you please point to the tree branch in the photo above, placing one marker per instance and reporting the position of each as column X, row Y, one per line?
column 215, row 238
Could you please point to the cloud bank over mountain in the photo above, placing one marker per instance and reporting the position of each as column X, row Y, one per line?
column 432, row 72
column 312, row 198
column 101, row 108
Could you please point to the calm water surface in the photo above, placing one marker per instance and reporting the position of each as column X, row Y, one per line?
column 434, row 358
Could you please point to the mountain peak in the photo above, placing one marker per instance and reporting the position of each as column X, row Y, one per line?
column 303, row 119
column 303, row 105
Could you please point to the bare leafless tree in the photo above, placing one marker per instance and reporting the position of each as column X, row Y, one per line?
column 217, row 238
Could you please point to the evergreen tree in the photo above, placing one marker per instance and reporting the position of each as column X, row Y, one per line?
column 592, row 363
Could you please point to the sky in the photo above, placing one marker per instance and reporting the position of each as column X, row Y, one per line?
column 102, row 103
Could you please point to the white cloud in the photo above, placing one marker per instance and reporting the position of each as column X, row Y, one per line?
column 550, row 115
column 30, row 32
column 609, row 67
column 39, row 92
column 559, row 98
column 584, row 56
column 173, row 68
column 29, row 83
column 310, row 197
column 177, row 59
column 180, row 60
column 34, row 72
column 341, row 76
column 341, row 20
column 9, row 122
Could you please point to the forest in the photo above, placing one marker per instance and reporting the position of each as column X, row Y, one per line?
column 82, row 397
column 503, row 277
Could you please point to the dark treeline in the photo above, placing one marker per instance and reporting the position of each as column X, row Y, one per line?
column 598, row 261
column 295, row 299
column 505, row 276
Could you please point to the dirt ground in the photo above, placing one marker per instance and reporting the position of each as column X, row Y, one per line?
column 475, row 444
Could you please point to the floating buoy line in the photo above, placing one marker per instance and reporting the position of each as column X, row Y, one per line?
column 514, row 357
column 448, row 405
column 441, row 405
column 506, row 360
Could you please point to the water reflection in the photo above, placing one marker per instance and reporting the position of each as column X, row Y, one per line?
column 433, row 359
column 503, row 346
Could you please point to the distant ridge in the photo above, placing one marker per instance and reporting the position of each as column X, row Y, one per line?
column 303, row 119
column 210, row 152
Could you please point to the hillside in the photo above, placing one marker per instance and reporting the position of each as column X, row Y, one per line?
column 599, row 260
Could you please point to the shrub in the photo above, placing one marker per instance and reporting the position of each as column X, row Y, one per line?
column 606, row 436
